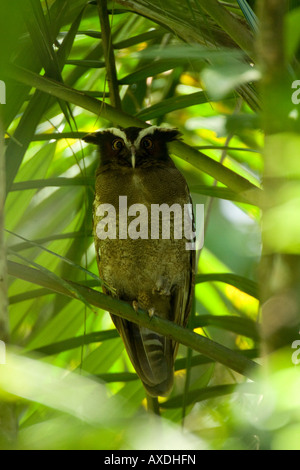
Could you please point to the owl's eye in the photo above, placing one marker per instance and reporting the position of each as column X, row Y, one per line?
column 117, row 144
column 147, row 143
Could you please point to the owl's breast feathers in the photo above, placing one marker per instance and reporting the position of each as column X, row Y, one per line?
column 156, row 274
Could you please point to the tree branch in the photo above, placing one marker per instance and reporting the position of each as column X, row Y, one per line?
column 205, row 346
column 109, row 55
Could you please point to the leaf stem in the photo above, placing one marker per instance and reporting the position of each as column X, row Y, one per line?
column 199, row 343
column 111, row 70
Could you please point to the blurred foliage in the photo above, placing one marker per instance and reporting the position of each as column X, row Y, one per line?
column 186, row 64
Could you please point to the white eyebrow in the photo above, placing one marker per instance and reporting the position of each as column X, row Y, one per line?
column 119, row 133
column 148, row 131
column 143, row 133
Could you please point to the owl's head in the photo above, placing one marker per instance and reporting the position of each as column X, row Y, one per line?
column 133, row 147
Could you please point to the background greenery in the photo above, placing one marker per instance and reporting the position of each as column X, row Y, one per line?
column 222, row 73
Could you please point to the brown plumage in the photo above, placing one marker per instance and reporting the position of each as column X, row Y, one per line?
column 155, row 274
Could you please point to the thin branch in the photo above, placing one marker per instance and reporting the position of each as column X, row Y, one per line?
column 205, row 346
column 111, row 70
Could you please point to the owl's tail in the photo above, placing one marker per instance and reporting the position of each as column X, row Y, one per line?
column 156, row 362
column 151, row 354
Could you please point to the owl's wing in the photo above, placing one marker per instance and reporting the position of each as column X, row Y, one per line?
column 142, row 345
column 152, row 354
column 183, row 295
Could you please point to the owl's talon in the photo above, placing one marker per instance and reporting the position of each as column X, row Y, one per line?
column 151, row 312
column 135, row 305
column 162, row 287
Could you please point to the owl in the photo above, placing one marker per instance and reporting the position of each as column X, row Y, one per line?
column 145, row 266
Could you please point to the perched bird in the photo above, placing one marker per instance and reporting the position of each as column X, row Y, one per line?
column 145, row 266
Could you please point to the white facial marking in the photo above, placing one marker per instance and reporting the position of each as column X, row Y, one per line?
column 118, row 133
column 149, row 131
column 143, row 133
column 132, row 147
column 133, row 152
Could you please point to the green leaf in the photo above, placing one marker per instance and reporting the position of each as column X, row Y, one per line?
column 118, row 377
column 188, row 52
column 72, row 343
column 53, row 182
column 95, row 64
column 24, row 133
column 239, row 325
column 198, row 159
column 216, row 191
column 29, row 295
column 150, row 70
column 199, row 359
column 33, row 113
column 172, row 104
column 207, row 393
column 193, row 28
column 36, row 167
column 61, row 258
column 292, row 32
column 242, row 283
column 65, row 285
column 200, row 343
column 220, row 80
column 249, row 15
column 144, row 37
column 60, row 236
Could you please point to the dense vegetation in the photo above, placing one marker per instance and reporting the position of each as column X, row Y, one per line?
column 225, row 74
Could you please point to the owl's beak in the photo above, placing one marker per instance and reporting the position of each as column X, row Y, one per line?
column 133, row 152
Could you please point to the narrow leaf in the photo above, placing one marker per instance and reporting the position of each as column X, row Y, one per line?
column 53, row 182
column 239, row 325
column 65, row 285
column 249, row 15
column 72, row 343
column 200, row 343
column 242, row 283
column 62, row 258
column 95, row 64
column 172, row 104
column 150, row 70
column 218, row 192
column 195, row 396
column 144, row 37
